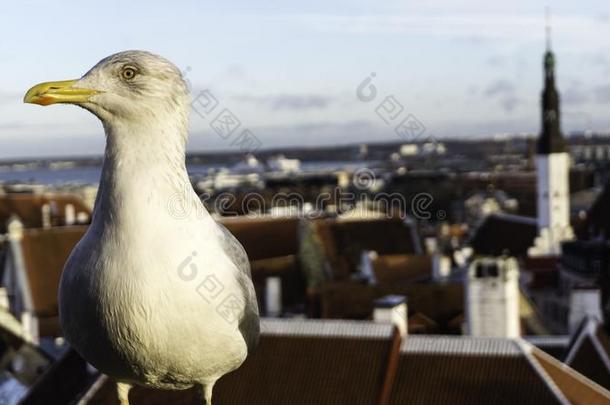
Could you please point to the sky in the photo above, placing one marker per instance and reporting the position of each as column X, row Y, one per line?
column 290, row 71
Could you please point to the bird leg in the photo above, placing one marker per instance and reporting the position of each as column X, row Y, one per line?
column 123, row 392
column 205, row 393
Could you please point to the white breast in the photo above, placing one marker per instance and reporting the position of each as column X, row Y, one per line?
column 158, row 307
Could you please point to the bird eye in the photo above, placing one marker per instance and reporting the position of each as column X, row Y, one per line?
column 128, row 73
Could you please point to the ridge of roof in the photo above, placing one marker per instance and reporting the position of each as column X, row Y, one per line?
column 55, row 230
column 527, row 350
column 547, row 339
column 549, row 363
column 587, row 328
column 326, row 328
column 514, row 218
column 464, row 345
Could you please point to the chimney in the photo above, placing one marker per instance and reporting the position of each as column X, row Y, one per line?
column 46, row 215
column 441, row 266
column 273, row 296
column 14, row 228
column 584, row 302
column 69, row 215
column 367, row 270
column 343, row 180
column 431, row 245
column 492, row 298
column 392, row 309
column 82, row 217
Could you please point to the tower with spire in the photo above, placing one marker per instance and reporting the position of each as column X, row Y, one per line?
column 553, row 168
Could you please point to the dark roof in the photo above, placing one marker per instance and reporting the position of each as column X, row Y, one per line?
column 272, row 245
column 307, row 362
column 354, row 300
column 63, row 381
column 420, row 323
column 466, row 370
column 22, row 363
column 265, row 237
column 543, row 270
column 297, row 362
column 103, row 392
column 576, row 388
column 598, row 217
column 554, row 345
column 292, row 280
column 343, row 241
column 500, row 234
column 344, row 362
column 401, row 268
column 589, row 352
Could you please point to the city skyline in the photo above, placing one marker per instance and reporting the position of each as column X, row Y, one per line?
column 290, row 75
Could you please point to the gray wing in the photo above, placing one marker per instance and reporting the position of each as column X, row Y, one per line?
column 249, row 324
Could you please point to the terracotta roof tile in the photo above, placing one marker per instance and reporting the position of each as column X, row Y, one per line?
column 344, row 241
column 353, row 300
column 28, row 207
column 45, row 252
column 392, row 269
column 265, row 237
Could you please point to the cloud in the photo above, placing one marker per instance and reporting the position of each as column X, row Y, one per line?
column 468, row 25
column 602, row 93
column 504, row 92
column 574, row 95
column 499, row 87
column 235, row 71
column 311, row 134
column 293, row 102
column 509, row 102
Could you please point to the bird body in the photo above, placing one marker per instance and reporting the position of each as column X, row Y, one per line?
column 150, row 295
column 130, row 310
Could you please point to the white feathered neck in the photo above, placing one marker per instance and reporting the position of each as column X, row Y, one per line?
column 144, row 163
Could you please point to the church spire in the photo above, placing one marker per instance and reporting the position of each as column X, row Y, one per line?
column 550, row 140
column 548, row 28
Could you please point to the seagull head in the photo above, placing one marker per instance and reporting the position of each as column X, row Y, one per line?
column 132, row 87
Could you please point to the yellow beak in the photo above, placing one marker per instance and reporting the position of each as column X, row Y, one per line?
column 58, row 92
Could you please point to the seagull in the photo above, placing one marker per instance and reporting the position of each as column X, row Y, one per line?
column 151, row 295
